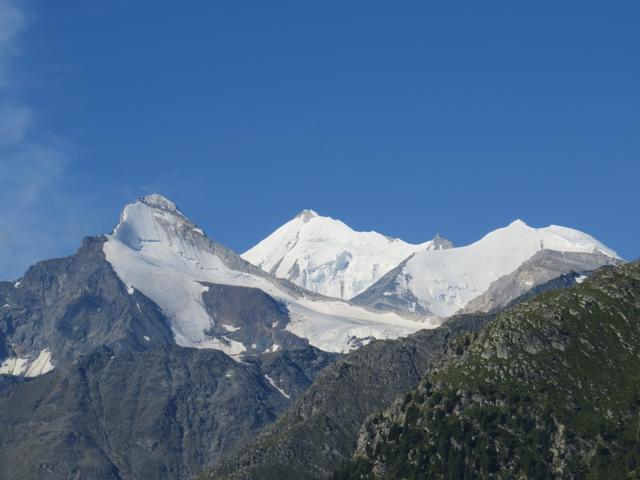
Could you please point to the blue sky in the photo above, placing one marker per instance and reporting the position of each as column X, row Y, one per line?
column 408, row 118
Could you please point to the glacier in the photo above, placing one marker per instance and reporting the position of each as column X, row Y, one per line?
column 324, row 255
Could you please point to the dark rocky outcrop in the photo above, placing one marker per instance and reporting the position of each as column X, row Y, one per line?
column 73, row 305
column 249, row 316
column 160, row 414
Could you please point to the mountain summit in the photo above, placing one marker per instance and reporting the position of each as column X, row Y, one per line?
column 325, row 255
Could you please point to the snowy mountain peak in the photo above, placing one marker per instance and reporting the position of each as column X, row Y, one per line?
column 518, row 223
column 307, row 215
column 154, row 218
column 553, row 237
column 325, row 255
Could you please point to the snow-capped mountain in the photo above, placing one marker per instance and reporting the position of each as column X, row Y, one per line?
column 156, row 250
column 159, row 280
column 324, row 255
column 441, row 282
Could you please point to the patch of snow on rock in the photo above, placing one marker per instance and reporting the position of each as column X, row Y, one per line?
column 273, row 384
column 28, row 367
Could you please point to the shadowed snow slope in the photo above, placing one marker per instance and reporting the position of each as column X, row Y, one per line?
column 324, row 255
column 441, row 282
column 158, row 251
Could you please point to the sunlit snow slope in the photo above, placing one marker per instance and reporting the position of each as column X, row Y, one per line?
column 158, row 251
column 326, row 256
column 441, row 282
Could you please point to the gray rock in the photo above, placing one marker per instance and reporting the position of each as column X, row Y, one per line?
column 73, row 305
column 249, row 316
column 385, row 294
column 539, row 271
column 162, row 414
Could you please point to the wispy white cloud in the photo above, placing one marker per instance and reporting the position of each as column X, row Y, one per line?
column 38, row 217
column 12, row 23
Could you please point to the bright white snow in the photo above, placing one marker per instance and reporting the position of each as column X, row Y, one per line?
column 445, row 280
column 331, row 325
column 229, row 328
column 326, row 256
column 156, row 250
column 26, row 366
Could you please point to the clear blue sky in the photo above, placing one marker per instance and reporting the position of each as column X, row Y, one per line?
column 408, row 118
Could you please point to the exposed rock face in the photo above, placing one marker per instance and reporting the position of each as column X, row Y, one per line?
column 70, row 306
column 319, row 430
column 540, row 269
column 249, row 316
column 548, row 390
column 388, row 294
column 162, row 414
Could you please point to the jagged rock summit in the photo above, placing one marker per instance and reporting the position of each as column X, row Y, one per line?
column 307, row 215
column 159, row 201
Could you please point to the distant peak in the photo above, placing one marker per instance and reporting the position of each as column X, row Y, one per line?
column 440, row 243
column 518, row 223
column 307, row 215
column 158, row 201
